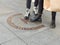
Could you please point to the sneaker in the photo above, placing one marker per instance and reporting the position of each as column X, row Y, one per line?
column 27, row 17
column 36, row 18
column 27, row 14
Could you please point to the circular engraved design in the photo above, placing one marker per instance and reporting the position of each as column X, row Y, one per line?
column 17, row 21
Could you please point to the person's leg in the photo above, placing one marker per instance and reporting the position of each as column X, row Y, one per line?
column 36, row 3
column 35, row 8
column 53, row 25
column 40, row 10
column 28, row 6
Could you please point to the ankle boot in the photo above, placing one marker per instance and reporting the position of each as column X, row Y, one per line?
column 53, row 25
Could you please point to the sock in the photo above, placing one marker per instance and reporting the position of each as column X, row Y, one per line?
column 35, row 10
column 27, row 12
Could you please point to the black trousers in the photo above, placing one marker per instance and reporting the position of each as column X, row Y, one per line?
column 28, row 3
column 40, row 10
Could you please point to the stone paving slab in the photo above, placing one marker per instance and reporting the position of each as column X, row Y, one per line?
column 16, row 5
column 5, row 34
column 54, row 42
column 5, row 10
column 46, row 37
column 14, row 41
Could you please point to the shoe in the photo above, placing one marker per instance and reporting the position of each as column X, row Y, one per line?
column 36, row 18
column 27, row 17
column 35, row 13
column 40, row 20
column 53, row 25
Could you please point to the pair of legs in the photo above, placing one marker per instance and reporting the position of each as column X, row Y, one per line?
column 28, row 6
column 40, row 11
column 28, row 3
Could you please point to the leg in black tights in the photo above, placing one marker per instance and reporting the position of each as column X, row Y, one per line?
column 53, row 25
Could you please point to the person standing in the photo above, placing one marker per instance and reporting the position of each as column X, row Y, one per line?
column 28, row 6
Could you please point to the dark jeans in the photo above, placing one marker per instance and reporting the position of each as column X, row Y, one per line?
column 28, row 3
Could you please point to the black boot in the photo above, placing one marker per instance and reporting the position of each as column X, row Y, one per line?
column 40, row 19
column 53, row 25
